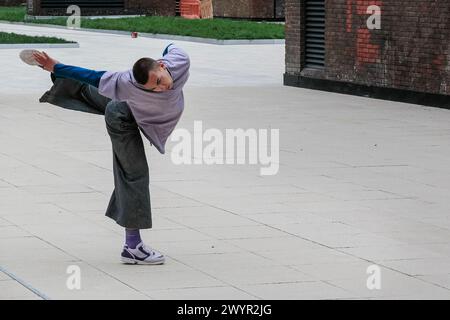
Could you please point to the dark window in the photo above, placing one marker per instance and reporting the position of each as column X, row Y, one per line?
column 177, row 8
column 83, row 3
column 278, row 9
column 315, row 34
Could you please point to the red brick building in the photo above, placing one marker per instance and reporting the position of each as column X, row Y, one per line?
column 6, row 3
column 246, row 9
column 397, row 49
column 102, row 7
column 249, row 9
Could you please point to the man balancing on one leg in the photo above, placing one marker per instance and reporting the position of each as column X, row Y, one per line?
column 150, row 98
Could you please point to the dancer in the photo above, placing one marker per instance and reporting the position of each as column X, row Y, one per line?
column 149, row 98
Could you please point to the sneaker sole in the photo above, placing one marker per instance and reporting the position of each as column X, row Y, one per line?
column 132, row 261
column 27, row 57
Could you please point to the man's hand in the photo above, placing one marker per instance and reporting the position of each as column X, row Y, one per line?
column 45, row 61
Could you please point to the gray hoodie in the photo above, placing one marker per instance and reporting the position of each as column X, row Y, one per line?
column 156, row 113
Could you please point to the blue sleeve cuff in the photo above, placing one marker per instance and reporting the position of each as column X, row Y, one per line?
column 166, row 50
column 90, row 77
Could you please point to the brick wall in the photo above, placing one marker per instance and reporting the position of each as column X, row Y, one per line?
column 411, row 51
column 11, row 2
column 153, row 7
column 149, row 7
column 293, row 36
column 254, row 9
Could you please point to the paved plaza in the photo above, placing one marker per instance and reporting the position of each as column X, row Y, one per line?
column 362, row 184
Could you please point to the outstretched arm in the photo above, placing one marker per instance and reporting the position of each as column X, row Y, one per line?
column 60, row 70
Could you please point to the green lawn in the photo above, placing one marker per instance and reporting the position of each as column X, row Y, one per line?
column 222, row 29
column 14, row 38
column 12, row 13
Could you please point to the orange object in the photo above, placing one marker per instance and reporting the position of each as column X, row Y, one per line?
column 190, row 9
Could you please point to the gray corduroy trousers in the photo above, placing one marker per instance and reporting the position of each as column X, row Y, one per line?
column 130, row 204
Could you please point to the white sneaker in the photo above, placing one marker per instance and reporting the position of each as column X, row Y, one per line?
column 141, row 255
column 27, row 57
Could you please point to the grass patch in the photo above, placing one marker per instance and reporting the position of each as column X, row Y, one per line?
column 16, row 14
column 222, row 29
column 14, row 38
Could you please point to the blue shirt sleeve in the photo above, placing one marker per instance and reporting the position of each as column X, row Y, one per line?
column 91, row 77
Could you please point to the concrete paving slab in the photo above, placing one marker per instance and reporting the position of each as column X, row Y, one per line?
column 361, row 182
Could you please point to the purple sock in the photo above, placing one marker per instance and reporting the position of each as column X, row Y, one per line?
column 132, row 238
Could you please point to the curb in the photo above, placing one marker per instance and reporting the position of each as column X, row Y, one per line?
column 118, row 16
column 160, row 36
column 38, row 45
column 188, row 38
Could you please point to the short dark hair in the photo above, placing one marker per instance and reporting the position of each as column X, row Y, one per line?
column 141, row 69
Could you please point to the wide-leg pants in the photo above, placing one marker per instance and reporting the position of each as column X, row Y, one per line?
column 130, row 204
